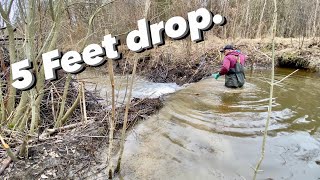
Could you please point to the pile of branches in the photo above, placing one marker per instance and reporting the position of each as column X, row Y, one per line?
column 166, row 68
column 76, row 133
column 70, row 151
column 49, row 108
column 140, row 109
column 53, row 97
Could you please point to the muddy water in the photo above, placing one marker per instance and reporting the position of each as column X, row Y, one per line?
column 206, row 131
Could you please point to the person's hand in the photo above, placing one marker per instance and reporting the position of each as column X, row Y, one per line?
column 216, row 76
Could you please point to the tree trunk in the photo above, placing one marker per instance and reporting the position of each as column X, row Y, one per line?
column 64, row 119
column 34, row 118
column 10, row 99
column 315, row 20
column 20, row 109
column 63, row 102
column 146, row 8
column 22, row 124
column 258, row 35
column 30, row 53
column 12, row 51
column 247, row 19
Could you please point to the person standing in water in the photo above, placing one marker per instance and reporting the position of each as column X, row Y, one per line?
column 232, row 68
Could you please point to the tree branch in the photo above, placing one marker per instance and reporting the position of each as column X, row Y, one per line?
column 286, row 77
column 9, row 7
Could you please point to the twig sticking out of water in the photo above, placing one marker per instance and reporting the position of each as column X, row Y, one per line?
column 272, row 83
column 112, row 118
column 125, row 123
column 274, row 30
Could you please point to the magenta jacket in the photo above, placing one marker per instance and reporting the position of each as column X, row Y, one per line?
column 230, row 61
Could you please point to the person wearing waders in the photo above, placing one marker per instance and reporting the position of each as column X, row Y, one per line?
column 232, row 68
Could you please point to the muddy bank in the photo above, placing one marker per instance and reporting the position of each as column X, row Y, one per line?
column 72, row 152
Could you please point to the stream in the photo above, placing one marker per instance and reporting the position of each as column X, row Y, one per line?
column 207, row 131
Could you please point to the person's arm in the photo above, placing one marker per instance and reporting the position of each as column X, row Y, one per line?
column 224, row 69
column 225, row 66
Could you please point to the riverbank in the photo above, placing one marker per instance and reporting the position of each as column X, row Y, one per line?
column 185, row 62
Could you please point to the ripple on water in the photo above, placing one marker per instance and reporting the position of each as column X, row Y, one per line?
column 240, row 112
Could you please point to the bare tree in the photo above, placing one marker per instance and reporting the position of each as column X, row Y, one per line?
column 315, row 19
column 260, row 21
column 5, row 11
column 247, row 18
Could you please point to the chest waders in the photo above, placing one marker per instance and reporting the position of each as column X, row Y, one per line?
column 235, row 78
